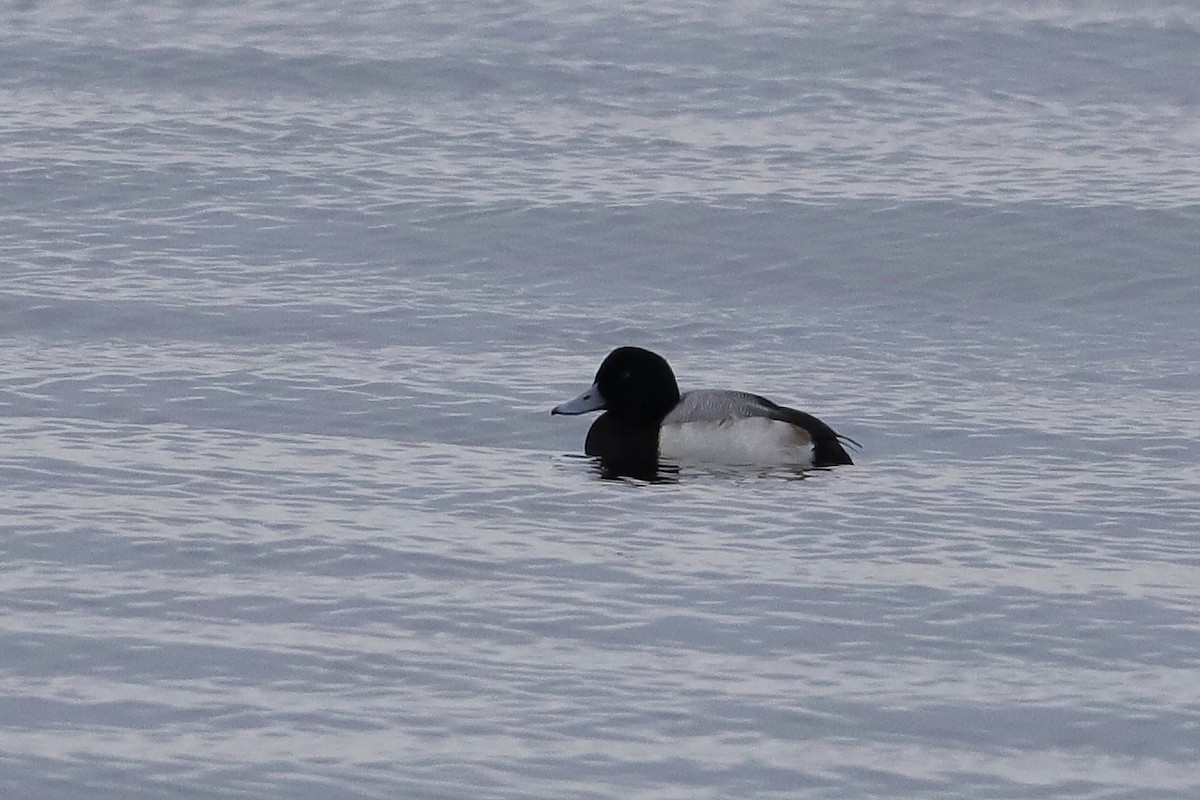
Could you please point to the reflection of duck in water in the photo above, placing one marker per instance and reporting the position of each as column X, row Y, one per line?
column 646, row 418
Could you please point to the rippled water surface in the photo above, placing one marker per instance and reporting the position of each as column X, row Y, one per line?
column 289, row 290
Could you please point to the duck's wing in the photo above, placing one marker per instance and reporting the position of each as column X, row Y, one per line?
column 715, row 405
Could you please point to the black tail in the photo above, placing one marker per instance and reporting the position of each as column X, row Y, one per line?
column 827, row 443
column 828, row 450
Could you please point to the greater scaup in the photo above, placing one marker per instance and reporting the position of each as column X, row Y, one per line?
column 646, row 417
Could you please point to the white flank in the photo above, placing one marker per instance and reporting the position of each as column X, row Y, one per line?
column 749, row 440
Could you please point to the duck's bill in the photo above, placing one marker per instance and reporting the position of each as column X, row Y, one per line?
column 591, row 400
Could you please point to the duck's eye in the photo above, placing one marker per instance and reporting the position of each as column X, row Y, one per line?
column 625, row 375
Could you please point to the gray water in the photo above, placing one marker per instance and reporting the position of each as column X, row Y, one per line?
column 289, row 290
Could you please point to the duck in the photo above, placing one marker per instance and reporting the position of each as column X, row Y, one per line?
column 647, row 420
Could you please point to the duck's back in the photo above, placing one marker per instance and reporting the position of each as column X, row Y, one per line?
column 712, row 425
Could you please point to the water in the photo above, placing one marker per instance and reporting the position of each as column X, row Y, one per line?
column 289, row 291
